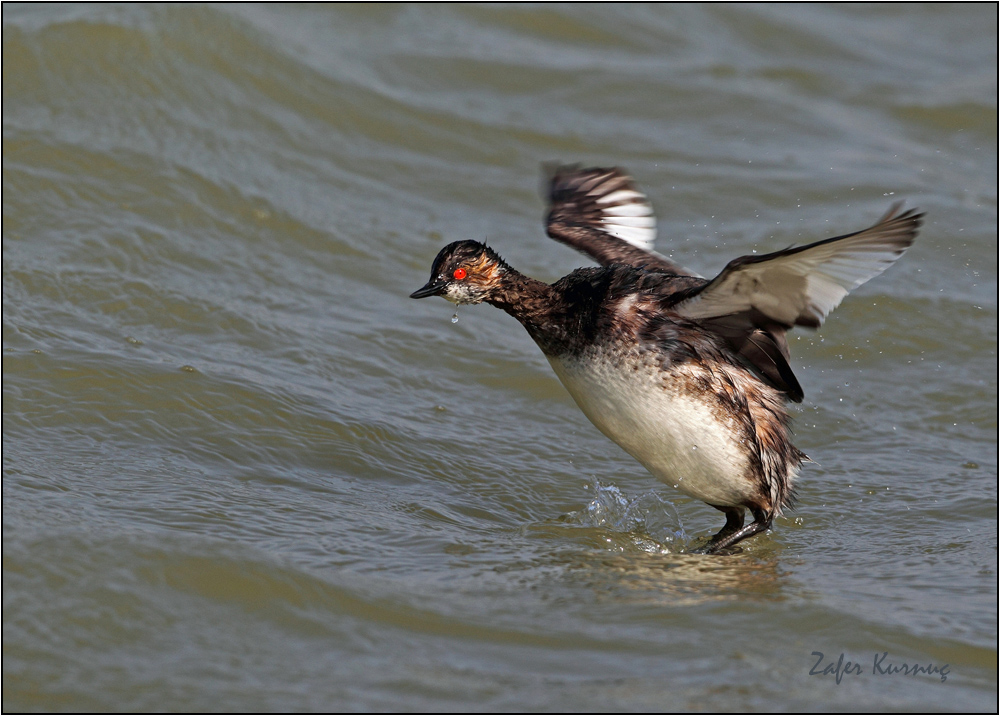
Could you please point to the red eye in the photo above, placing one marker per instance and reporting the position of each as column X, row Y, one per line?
column 460, row 273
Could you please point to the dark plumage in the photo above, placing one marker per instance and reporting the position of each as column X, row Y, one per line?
column 688, row 375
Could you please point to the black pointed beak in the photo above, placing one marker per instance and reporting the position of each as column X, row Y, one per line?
column 433, row 288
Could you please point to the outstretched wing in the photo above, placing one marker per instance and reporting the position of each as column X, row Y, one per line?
column 756, row 299
column 603, row 214
column 800, row 286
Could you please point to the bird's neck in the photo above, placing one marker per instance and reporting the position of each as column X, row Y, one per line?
column 541, row 308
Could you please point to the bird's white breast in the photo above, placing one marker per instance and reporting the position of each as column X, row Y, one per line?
column 679, row 435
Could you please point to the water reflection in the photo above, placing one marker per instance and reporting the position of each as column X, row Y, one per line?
column 639, row 553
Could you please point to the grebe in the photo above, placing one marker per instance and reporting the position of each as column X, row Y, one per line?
column 688, row 375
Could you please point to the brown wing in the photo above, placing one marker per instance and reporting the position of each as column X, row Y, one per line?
column 756, row 299
column 800, row 286
column 602, row 213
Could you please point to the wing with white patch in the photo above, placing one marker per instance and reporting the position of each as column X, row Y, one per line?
column 800, row 286
column 602, row 213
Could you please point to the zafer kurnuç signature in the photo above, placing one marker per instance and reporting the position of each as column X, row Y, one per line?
column 880, row 667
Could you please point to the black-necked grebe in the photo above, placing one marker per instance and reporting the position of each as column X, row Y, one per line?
column 688, row 375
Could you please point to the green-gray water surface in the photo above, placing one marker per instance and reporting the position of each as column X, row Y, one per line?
column 243, row 471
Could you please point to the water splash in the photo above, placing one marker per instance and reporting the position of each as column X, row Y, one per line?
column 651, row 522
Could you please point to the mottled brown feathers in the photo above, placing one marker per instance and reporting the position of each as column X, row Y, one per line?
column 661, row 359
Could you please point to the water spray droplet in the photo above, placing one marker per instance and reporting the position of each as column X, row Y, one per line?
column 454, row 317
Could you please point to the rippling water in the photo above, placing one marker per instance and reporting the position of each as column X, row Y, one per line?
column 242, row 471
